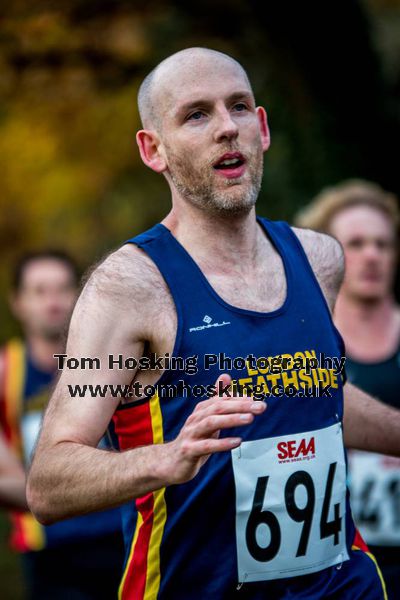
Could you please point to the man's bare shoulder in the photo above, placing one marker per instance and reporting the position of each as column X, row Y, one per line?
column 127, row 275
column 326, row 258
column 124, row 297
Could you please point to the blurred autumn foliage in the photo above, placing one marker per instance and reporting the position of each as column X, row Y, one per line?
column 71, row 176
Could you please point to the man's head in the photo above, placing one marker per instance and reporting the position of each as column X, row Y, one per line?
column 364, row 218
column 202, row 130
column 44, row 292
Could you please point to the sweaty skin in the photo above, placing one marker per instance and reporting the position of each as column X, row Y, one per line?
column 126, row 307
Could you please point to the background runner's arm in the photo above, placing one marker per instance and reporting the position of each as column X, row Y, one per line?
column 69, row 475
column 370, row 424
column 12, row 479
column 12, row 475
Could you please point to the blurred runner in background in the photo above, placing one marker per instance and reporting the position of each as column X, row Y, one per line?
column 78, row 558
column 364, row 218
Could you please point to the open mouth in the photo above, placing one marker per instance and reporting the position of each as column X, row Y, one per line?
column 231, row 164
column 230, row 161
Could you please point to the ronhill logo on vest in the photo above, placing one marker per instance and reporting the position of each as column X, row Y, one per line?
column 208, row 324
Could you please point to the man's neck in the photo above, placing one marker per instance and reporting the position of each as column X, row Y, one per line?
column 42, row 349
column 231, row 239
column 371, row 330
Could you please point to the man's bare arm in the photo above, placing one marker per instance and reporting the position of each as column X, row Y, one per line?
column 93, row 479
column 370, row 424
column 69, row 475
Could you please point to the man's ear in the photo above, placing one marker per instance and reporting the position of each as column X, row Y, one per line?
column 149, row 148
column 264, row 129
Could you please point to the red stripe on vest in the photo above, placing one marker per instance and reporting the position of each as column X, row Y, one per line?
column 359, row 542
column 134, row 428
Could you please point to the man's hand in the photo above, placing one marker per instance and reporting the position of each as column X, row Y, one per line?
column 199, row 437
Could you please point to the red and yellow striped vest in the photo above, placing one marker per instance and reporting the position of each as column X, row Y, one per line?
column 27, row 533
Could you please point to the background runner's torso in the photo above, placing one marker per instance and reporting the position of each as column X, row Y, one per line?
column 375, row 479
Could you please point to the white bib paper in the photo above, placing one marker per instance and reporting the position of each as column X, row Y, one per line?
column 30, row 428
column 290, row 504
column 375, row 496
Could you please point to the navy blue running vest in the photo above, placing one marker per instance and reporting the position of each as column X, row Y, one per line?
column 182, row 540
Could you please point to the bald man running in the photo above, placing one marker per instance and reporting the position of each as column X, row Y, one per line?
column 223, row 497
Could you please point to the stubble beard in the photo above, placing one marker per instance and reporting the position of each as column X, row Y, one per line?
column 198, row 187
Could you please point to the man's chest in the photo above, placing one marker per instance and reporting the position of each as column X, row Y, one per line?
column 263, row 290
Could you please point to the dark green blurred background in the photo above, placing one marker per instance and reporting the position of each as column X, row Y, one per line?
column 70, row 174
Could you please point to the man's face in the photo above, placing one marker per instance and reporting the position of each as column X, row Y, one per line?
column 369, row 243
column 46, row 297
column 212, row 136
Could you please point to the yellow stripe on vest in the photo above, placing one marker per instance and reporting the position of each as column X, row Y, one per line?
column 159, row 512
column 372, row 557
column 33, row 532
column 14, row 390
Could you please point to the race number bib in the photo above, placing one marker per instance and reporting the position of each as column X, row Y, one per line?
column 30, row 428
column 290, row 504
column 375, row 497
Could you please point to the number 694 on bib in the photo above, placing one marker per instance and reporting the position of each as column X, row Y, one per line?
column 290, row 504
